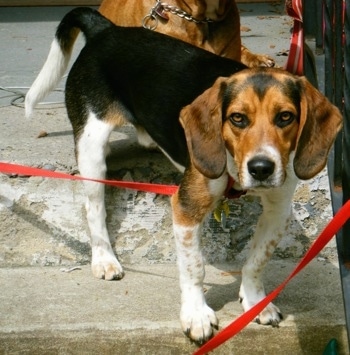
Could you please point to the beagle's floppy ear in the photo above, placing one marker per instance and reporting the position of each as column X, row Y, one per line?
column 320, row 121
column 202, row 122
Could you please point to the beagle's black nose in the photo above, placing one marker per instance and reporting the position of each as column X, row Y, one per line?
column 260, row 168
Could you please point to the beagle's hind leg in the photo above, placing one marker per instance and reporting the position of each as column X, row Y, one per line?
column 92, row 148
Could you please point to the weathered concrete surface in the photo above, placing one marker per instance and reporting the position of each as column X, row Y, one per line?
column 44, row 310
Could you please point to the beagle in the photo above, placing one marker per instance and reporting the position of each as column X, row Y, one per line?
column 212, row 117
column 213, row 25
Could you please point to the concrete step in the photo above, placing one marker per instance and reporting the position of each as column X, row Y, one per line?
column 45, row 310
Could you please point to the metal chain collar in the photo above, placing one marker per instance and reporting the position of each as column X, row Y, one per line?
column 160, row 9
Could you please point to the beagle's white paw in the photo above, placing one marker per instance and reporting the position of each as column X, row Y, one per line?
column 197, row 321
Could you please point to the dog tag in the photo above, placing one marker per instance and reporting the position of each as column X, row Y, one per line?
column 221, row 213
column 159, row 10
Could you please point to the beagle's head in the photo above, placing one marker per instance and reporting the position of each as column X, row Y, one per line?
column 260, row 124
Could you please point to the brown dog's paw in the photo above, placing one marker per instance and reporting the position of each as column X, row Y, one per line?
column 262, row 60
column 252, row 60
column 258, row 60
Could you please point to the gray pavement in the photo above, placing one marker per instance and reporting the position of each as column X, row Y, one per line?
column 45, row 310
column 43, row 229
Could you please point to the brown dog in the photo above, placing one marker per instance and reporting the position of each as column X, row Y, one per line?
column 213, row 25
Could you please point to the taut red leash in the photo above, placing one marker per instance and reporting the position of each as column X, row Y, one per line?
column 8, row 168
column 242, row 321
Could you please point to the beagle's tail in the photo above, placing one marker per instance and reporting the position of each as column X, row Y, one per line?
column 84, row 19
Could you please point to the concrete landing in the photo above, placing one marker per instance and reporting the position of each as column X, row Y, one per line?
column 47, row 311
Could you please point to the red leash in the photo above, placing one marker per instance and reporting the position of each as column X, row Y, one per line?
column 160, row 189
column 295, row 60
column 242, row 321
column 141, row 186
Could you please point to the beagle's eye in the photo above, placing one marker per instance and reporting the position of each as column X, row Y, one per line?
column 284, row 118
column 239, row 120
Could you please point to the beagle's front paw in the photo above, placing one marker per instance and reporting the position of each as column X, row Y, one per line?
column 197, row 321
column 271, row 315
